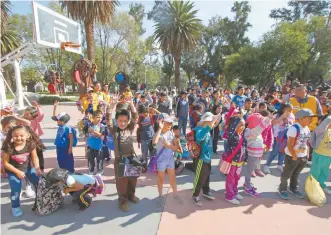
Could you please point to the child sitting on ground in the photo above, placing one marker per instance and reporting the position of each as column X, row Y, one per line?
column 180, row 137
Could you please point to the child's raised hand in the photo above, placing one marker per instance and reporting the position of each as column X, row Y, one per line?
column 20, row 174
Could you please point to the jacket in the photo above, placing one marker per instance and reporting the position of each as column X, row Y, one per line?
column 268, row 137
column 204, row 140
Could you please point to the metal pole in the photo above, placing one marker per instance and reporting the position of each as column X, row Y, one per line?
column 3, row 100
column 19, row 88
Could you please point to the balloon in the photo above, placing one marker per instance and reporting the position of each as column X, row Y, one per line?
column 119, row 77
column 206, row 72
column 212, row 75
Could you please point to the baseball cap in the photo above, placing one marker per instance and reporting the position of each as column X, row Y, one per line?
column 63, row 117
column 304, row 113
column 167, row 118
column 208, row 117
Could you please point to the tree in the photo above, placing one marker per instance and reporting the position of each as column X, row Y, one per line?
column 191, row 61
column 179, row 32
column 137, row 11
column 168, row 67
column 91, row 12
column 158, row 12
column 300, row 10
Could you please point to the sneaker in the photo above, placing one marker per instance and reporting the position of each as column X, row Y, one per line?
column 178, row 199
column 107, row 160
column 124, row 207
column 259, row 173
column 309, row 163
column 100, row 173
column 280, row 168
column 208, row 196
column 17, row 211
column 250, row 187
column 327, row 191
column 251, row 192
column 197, row 201
column 253, row 174
column 160, row 202
column 91, row 173
column 283, row 194
column 266, row 170
column 135, row 200
column 239, row 197
column 29, row 192
column 234, row 201
column 297, row 193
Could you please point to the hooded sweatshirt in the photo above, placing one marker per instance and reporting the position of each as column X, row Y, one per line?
column 204, row 140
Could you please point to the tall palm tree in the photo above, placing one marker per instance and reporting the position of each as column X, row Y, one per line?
column 9, row 37
column 178, row 31
column 89, row 12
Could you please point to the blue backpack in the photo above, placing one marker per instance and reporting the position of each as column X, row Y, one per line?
column 74, row 134
column 282, row 137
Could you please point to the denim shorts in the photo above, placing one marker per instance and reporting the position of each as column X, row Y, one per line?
column 165, row 162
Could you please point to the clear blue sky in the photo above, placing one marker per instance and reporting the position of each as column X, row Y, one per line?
column 259, row 16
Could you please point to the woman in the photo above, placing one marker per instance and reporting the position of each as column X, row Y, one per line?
column 123, row 142
column 166, row 144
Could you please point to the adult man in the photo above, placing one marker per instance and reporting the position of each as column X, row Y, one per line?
column 203, row 101
column 182, row 112
column 164, row 104
column 303, row 101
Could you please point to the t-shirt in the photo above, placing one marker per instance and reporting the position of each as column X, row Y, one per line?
column 62, row 136
column 168, row 136
column 325, row 146
column 20, row 159
column 93, row 141
column 81, row 179
column 239, row 100
column 147, row 130
column 301, row 145
column 279, row 127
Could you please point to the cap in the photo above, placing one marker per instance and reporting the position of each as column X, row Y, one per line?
column 208, row 117
column 304, row 113
column 90, row 89
column 64, row 117
column 167, row 118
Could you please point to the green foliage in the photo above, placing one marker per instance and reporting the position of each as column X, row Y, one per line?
column 50, row 99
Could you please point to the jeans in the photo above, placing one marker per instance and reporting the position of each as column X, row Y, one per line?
column 182, row 124
column 291, row 171
column 274, row 153
column 231, row 183
column 93, row 154
column 320, row 168
column 145, row 144
column 16, row 185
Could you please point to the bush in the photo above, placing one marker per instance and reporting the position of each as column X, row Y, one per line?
column 49, row 99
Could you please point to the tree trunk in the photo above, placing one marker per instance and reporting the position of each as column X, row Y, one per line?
column 177, row 72
column 89, row 30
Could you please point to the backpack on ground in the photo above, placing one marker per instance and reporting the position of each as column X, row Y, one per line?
column 48, row 199
column 282, row 137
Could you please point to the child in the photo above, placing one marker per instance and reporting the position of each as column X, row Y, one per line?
column 248, row 108
column 19, row 148
column 7, row 123
column 256, row 124
column 236, row 145
column 96, row 132
column 322, row 153
column 203, row 169
column 216, row 110
column 63, row 140
column 297, row 151
column 165, row 147
column 182, row 143
column 106, row 152
column 284, row 118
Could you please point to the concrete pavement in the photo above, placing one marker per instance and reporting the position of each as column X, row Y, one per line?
column 266, row 215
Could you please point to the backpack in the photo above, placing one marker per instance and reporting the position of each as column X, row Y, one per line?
column 48, row 199
column 192, row 145
column 282, row 137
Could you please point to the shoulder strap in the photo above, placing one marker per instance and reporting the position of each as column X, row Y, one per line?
column 119, row 141
column 236, row 149
column 298, row 133
column 151, row 117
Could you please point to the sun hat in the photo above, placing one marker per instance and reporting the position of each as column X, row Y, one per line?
column 167, row 118
column 90, row 89
column 304, row 113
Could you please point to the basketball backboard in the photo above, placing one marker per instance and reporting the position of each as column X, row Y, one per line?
column 52, row 28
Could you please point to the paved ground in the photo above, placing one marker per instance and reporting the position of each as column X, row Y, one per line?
column 266, row 215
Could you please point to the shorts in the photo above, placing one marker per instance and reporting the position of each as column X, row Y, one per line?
column 165, row 162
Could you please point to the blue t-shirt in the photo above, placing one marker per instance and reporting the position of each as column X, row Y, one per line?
column 239, row 100
column 93, row 141
column 62, row 136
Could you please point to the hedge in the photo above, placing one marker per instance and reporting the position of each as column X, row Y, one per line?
column 50, row 99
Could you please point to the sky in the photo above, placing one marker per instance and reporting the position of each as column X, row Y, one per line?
column 259, row 16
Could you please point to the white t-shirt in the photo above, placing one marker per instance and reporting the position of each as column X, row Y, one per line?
column 301, row 145
column 81, row 179
column 279, row 127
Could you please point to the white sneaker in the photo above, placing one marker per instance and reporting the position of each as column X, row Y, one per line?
column 327, row 191
column 29, row 192
column 234, row 201
column 309, row 163
column 266, row 170
column 280, row 168
column 239, row 197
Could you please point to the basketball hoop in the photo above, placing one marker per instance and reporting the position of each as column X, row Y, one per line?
column 65, row 45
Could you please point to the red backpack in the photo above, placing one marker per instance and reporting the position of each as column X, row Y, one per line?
column 192, row 145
